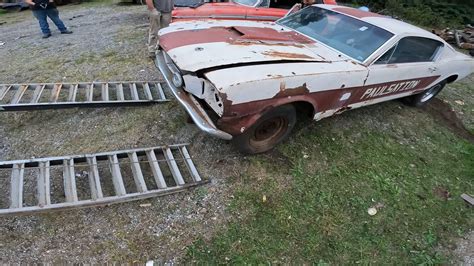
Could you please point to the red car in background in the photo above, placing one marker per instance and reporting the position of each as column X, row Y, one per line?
column 261, row 10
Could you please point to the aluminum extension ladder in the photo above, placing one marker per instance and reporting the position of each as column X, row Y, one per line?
column 44, row 184
column 21, row 97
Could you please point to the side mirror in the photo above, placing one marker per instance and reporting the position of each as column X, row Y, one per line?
column 295, row 8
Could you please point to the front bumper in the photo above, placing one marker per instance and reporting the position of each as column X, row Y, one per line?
column 190, row 104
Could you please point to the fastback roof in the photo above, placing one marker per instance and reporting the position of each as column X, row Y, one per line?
column 393, row 25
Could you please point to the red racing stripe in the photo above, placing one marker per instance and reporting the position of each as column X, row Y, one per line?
column 242, row 115
column 231, row 35
column 330, row 99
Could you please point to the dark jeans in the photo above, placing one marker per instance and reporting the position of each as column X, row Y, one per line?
column 53, row 14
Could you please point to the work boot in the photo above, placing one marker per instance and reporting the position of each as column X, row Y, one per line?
column 46, row 35
column 66, row 32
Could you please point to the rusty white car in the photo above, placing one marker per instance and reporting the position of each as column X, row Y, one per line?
column 249, row 81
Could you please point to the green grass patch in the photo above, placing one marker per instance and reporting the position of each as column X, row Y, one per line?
column 314, row 209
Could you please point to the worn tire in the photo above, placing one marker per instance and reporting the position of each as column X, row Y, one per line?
column 268, row 131
column 424, row 97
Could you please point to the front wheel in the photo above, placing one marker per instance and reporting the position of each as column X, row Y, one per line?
column 424, row 97
column 271, row 129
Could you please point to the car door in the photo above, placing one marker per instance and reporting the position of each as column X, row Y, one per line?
column 410, row 65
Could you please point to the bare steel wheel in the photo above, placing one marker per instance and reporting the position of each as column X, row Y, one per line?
column 424, row 97
column 271, row 129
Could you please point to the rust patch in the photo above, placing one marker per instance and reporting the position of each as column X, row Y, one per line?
column 245, row 42
column 285, row 92
column 225, row 101
column 343, row 109
column 269, row 34
column 287, row 55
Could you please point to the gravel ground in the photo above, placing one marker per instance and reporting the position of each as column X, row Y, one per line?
column 108, row 44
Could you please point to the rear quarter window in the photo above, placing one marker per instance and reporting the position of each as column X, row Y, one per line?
column 411, row 50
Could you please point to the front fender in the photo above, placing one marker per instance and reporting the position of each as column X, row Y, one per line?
column 242, row 116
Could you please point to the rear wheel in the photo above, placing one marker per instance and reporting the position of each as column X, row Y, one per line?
column 425, row 96
column 271, row 129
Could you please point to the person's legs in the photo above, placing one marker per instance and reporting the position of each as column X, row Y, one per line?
column 41, row 16
column 153, row 31
column 165, row 20
column 53, row 14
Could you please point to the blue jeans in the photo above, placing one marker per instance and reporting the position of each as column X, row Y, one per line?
column 53, row 14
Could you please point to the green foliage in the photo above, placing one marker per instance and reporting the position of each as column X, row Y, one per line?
column 431, row 13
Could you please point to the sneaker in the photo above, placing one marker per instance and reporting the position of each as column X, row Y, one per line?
column 66, row 32
column 46, row 35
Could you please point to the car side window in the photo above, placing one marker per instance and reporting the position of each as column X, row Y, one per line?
column 411, row 50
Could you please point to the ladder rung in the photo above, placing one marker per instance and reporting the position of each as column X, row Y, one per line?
column 155, row 168
column 18, row 94
column 105, row 92
column 137, row 172
column 16, row 186
column 134, row 91
column 190, row 164
column 160, row 91
column 90, row 92
column 55, row 92
column 37, row 93
column 94, row 178
column 4, row 90
column 120, row 95
column 69, row 176
column 72, row 92
column 44, row 195
column 148, row 94
column 117, row 179
column 173, row 166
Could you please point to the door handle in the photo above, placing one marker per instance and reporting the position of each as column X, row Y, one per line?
column 432, row 69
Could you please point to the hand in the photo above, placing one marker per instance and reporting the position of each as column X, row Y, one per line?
column 149, row 4
column 30, row 2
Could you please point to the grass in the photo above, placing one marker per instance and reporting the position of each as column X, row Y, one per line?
column 313, row 209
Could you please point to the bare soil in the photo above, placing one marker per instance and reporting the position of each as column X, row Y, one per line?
column 444, row 114
column 108, row 44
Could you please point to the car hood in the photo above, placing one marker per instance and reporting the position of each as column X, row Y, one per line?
column 195, row 46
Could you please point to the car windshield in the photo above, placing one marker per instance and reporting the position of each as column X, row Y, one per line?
column 245, row 2
column 255, row 3
column 348, row 35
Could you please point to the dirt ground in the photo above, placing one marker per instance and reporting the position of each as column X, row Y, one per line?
column 108, row 44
